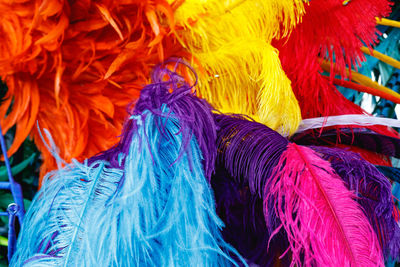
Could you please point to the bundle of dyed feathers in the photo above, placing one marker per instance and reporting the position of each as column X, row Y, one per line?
column 148, row 200
column 313, row 192
column 75, row 65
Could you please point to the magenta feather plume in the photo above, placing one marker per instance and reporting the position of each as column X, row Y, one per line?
column 324, row 224
column 373, row 192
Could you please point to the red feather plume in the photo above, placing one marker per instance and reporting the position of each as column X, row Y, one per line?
column 336, row 32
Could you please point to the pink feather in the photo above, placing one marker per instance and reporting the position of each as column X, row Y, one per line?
column 324, row 224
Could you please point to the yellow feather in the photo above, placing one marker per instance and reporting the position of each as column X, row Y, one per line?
column 240, row 71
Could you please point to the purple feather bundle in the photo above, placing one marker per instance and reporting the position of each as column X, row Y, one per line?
column 373, row 191
column 193, row 113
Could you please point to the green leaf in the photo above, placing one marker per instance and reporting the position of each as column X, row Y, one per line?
column 16, row 169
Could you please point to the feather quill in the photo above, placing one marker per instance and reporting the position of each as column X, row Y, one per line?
column 155, row 209
column 323, row 222
column 373, row 191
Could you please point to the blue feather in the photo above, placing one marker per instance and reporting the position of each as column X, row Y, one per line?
column 155, row 209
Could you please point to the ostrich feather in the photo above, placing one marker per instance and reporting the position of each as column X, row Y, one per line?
column 194, row 115
column 324, row 224
column 350, row 119
column 245, row 228
column 154, row 209
column 248, row 150
column 374, row 194
column 247, row 153
column 335, row 31
column 359, row 137
column 230, row 41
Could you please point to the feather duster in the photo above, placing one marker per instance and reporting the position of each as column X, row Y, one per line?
column 155, row 209
column 75, row 65
column 373, row 191
column 324, row 224
column 230, row 41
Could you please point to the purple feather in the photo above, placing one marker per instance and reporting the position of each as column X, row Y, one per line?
column 248, row 150
column 194, row 115
column 359, row 137
column 247, row 153
column 373, row 191
column 245, row 228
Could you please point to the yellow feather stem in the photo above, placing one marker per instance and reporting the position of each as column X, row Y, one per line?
column 388, row 22
column 382, row 57
column 242, row 72
column 361, row 79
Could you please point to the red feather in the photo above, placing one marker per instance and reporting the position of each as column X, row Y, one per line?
column 336, row 32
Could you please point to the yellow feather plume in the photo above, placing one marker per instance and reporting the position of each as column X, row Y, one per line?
column 239, row 70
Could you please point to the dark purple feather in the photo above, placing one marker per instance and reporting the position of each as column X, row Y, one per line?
column 373, row 191
column 390, row 172
column 359, row 137
column 194, row 115
column 248, row 150
column 245, row 228
column 247, row 153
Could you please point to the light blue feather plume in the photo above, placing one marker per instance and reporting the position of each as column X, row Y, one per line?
column 155, row 209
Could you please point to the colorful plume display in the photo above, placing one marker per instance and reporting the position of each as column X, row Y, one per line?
column 326, row 208
column 203, row 133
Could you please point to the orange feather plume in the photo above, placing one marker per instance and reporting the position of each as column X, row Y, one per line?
column 75, row 65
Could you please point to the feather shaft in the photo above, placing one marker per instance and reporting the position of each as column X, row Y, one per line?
column 359, row 78
column 388, row 22
column 382, row 57
column 366, row 89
